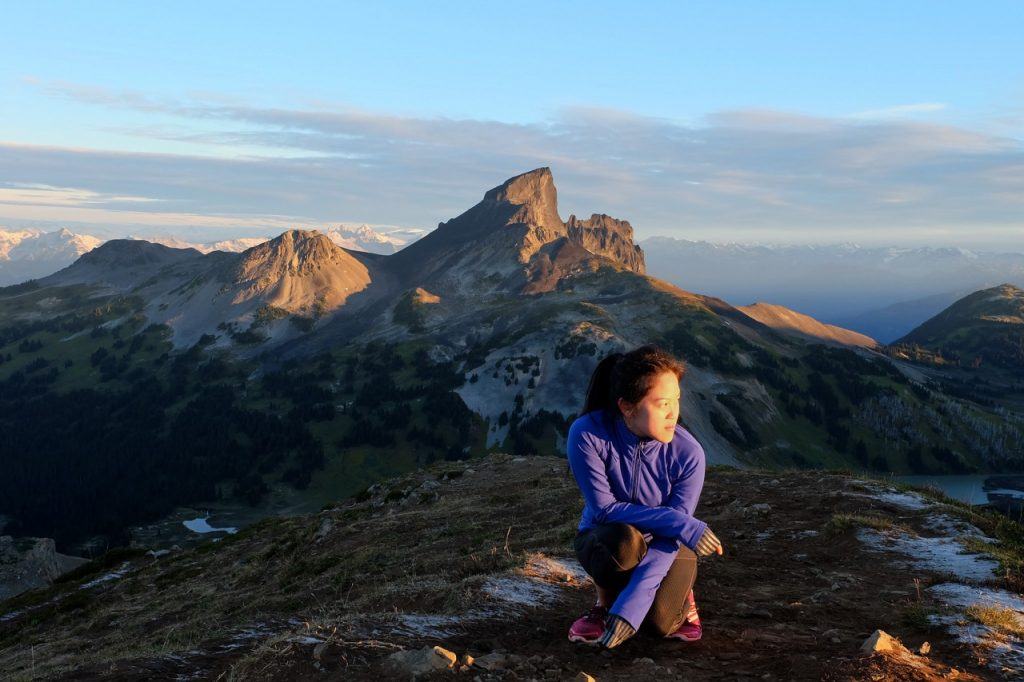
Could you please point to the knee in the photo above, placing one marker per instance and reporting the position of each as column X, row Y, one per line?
column 625, row 545
column 686, row 554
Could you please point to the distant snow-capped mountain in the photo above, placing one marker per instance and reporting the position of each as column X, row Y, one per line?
column 365, row 238
column 229, row 245
column 36, row 245
column 27, row 254
column 356, row 238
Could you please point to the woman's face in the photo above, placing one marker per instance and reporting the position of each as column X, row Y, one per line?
column 656, row 414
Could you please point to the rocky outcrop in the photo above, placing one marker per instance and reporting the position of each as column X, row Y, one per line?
column 27, row 563
column 608, row 237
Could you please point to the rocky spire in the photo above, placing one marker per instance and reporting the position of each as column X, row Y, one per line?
column 608, row 237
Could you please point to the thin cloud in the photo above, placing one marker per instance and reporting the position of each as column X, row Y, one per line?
column 777, row 175
column 901, row 110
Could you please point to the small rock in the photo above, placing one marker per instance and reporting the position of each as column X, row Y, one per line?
column 493, row 661
column 882, row 641
column 320, row 650
column 830, row 633
column 760, row 508
column 925, row 648
column 325, row 527
column 417, row 662
column 469, row 472
column 643, row 661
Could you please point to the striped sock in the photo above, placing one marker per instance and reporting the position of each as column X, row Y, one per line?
column 691, row 609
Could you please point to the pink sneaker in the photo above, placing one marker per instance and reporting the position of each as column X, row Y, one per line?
column 687, row 632
column 588, row 628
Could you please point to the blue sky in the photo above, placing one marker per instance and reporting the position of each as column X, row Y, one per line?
column 774, row 122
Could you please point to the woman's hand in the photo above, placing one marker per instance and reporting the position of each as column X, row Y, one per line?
column 708, row 544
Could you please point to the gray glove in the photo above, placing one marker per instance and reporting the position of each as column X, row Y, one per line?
column 616, row 631
column 708, row 543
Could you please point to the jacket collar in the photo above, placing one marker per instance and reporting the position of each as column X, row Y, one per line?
column 627, row 436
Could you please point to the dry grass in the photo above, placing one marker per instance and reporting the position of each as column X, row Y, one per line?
column 842, row 522
column 996, row 617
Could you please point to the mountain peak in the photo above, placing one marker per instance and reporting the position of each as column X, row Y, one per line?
column 299, row 270
column 1008, row 290
column 296, row 251
column 534, row 193
column 134, row 253
column 514, row 237
column 529, row 199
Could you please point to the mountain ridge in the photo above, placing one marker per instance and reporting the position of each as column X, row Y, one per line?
column 792, row 322
column 984, row 327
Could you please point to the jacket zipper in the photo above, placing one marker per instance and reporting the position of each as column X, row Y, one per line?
column 636, row 470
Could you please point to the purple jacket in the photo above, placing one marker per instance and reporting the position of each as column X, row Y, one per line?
column 648, row 484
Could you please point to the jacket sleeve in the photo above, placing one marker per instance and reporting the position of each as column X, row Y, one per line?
column 687, row 486
column 589, row 471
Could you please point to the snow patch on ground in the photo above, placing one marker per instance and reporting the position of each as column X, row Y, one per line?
column 246, row 635
column 520, row 591
column 905, row 500
column 201, row 525
column 953, row 527
column 430, row 626
column 1006, row 651
column 941, row 554
column 541, row 581
column 113, row 575
column 956, row 594
column 946, row 554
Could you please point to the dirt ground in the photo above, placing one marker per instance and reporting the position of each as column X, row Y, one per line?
column 789, row 600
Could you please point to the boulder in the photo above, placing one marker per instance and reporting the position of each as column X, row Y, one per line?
column 882, row 641
column 413, row 663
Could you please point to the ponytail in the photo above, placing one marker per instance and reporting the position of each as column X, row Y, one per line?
column 599, row 393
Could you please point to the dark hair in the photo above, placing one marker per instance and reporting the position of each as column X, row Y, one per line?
column 628, row 376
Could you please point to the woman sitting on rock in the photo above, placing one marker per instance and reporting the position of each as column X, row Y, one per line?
column 641, row 475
